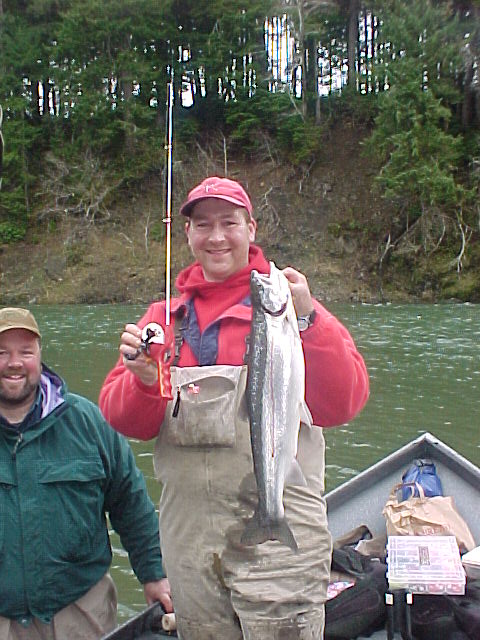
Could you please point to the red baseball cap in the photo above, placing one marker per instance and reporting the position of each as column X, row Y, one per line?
column 215, row 187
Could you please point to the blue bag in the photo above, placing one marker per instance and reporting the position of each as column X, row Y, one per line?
column 424, row 473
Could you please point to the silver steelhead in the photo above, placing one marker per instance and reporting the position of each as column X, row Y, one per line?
column 276, row 404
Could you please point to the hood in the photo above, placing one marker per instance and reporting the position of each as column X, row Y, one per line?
column 53, row 390
column 192, row 283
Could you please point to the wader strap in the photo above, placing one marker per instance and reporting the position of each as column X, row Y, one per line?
column 179, row 320
column 247, row 349
column 181, row 323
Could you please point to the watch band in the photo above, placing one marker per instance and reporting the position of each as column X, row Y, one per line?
column 304, row 322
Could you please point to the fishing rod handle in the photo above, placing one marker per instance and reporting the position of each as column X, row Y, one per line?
column 165, row 380
column 164, row 357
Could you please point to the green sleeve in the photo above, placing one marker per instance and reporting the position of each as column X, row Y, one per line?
column 131, row 511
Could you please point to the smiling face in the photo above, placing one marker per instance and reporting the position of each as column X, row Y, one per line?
column 20, row 369
column 219, row 234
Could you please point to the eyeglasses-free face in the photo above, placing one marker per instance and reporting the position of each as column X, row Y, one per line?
column 20, row 370
column 219, row 235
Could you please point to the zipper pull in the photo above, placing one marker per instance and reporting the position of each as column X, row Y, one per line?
column 17, row 444
column 176, row 407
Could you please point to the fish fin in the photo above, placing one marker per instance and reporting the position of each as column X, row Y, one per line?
column 256, row 532
column 295, row 475
column 281, row 531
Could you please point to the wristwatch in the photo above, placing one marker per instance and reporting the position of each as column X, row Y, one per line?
column 306, row 321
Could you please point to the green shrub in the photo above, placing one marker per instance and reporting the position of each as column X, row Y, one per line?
column 11, row 232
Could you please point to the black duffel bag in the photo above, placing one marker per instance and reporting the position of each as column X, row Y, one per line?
column 445, row 617
column 466, row 609
column 360, row 609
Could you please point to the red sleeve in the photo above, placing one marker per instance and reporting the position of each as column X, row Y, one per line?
column 134, row 409
column 336, row 385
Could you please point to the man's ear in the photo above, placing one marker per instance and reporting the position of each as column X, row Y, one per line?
column 252, row 230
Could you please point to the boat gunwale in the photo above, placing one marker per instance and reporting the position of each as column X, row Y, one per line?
column 425, row 446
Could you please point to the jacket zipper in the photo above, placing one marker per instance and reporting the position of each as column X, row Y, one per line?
column 17, row 444
column 25, row 618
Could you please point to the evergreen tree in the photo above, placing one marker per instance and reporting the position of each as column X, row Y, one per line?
column 310, row 19
column 413, row 137
column 22, row 71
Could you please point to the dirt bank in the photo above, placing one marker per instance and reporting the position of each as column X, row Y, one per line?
column 326, row 222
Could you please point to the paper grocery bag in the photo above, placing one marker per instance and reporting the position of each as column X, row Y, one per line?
column 423, row 516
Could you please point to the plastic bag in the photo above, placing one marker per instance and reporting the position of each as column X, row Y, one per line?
column 424, row 473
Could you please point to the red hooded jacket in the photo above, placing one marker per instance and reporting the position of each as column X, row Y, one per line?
column 336, row 386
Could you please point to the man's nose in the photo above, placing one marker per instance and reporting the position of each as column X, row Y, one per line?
column 218, row 232
column 14, row 360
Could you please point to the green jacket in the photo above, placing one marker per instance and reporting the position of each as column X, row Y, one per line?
column 58, row 480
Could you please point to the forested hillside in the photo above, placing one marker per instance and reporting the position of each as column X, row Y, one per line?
column 354, row 125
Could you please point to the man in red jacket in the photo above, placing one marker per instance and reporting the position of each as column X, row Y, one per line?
column 220, row 587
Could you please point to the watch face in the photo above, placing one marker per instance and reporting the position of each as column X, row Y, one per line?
column 303, row 324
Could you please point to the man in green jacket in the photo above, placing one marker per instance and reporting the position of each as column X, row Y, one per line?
column 62, row 469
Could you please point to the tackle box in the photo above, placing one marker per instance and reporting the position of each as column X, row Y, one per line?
column 425, row 564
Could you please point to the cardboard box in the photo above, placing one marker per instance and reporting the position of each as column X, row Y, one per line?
column 425, row 564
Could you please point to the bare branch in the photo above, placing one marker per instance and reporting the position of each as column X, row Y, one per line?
column 80, row 189
column 465, row 235
column 440, row 239
column 388, row 247
column 305, row 176
column 147, row 229
column 225, row 161
column 268, row 213
column 295, row 106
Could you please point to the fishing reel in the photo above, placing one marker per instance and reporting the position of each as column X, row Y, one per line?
column 158, row 345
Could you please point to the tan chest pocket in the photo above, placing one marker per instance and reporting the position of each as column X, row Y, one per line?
column 204, row 408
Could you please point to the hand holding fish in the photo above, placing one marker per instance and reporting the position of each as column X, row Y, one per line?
column 301, row 296
column 138, row 363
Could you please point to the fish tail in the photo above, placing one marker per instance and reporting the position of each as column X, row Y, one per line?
column 257, row 532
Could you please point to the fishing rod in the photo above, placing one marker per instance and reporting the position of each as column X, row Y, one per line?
column 158, row 344
column 167, row 352
column 168, row 193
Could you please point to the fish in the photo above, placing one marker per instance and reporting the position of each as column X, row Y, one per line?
column 275, row 396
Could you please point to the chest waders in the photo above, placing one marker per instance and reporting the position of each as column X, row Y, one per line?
column 221, row 588
column 90, row 617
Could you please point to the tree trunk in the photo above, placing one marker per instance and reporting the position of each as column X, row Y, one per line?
column 1, row 110
column 471, row 92
column 353, row 11
column 1, row 145
column 303, row 55
column 468, row 105
column 311, row 88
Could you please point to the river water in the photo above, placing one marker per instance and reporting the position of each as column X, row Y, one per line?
column 424, row 365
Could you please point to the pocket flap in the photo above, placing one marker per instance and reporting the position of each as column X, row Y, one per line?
column 207, row 388
column 71, row 470
column 7, row 477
